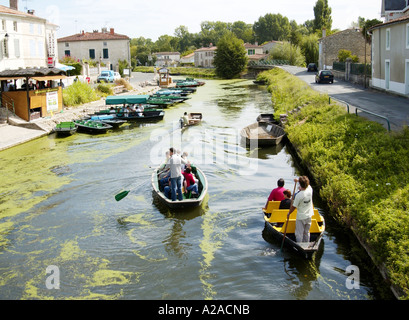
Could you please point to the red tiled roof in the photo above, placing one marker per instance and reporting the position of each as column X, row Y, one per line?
column 398, row 20
column 207, row 49
column 90, row 36
column 8, row 10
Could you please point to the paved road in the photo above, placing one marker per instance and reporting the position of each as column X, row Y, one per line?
column 395, row 108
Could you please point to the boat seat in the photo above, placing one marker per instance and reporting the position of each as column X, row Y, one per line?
column 272, row 205
column 315, row 228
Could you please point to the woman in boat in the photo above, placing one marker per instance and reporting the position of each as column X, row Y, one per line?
column 305, row 210
column 286, row 203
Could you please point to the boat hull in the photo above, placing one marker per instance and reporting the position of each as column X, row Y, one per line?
column 92, row 127
column 185, row 203
column 65, row 129
column 262, row 134
column 305, row 249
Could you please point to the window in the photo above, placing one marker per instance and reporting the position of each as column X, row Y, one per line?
column 67, row 44
column 32, row 48
column 67, row 53
column 105, row 44
column 388, row 39
column 3, row 25
column 105, row 54
column 92, row 53
column 6, row 48
column 251, row 52
column 31, row 28
column 15, row 26
column 17, row 48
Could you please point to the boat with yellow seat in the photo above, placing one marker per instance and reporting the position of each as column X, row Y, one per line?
column 276, row 224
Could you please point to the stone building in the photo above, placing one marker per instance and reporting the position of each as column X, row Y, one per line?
column 350, row 39
column 204, row 56
column 106, row 46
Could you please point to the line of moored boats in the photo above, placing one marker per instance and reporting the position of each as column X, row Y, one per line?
column 130, row 108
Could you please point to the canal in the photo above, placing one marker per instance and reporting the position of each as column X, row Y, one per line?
column 59, row 218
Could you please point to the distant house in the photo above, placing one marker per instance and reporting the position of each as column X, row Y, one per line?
column 393, row 9
column 188, row 59
column 204, row 56
column 255, row 52
column 390, row 55
column 167, row 59
column 105, row 46
column 350, row 39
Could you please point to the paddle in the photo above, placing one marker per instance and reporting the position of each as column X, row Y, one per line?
column 121, row 195
column 288, row 218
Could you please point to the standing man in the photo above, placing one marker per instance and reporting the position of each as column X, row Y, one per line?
column 305, row 210
column 175, row 165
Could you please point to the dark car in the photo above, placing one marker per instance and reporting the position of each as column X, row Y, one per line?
column 324, row 76
column 312, row 67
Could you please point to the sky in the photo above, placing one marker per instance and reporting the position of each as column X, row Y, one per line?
column 153, row 18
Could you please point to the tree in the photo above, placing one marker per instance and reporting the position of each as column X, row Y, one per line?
column 289, row 52
column 365, row 25
column 322, row 14
column 272, row 27
column 310, row 48
column 230, row 59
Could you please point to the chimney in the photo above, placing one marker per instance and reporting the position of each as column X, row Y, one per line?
column 31, row 12
column 14, row 4
column 112, row 31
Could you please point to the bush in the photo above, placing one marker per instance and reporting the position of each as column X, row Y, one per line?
column 104, row 90
column 78, row 93
column 360, row 168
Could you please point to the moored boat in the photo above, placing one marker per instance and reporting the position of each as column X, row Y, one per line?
column 91, row 126
column 109, row 119
column 263, row 134
column 277, row 225
column 65, row 129
column 144, row 116
column 266, row 117
column 189, row 200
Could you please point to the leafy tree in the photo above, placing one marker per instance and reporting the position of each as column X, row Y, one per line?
column 343, row 55
column 230, row 59
column 184, row 38
column 310, row 48
column 272, row 27
column 322, row 14
column 289, row 52
column 365, row 25
column 243, row 31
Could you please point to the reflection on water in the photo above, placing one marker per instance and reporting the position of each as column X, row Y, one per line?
column 57, row 207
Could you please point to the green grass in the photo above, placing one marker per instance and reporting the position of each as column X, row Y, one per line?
column 79, row 93
column 361, row 170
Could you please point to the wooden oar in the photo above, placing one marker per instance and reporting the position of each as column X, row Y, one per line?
column 288, row 218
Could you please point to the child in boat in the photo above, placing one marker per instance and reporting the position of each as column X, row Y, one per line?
column 190, row 183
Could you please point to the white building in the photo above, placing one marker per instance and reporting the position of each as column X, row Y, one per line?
column 167, row 59
column 26, row 41
column 188, row 59
column 106, row 46
column 204, row 57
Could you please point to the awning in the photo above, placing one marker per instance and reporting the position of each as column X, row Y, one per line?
column 131, row 99
column 47, row 78
column 63, row 67
column 32, row 73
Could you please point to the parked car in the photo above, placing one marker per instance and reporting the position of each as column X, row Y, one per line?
column 117, row 76
column 324, row 76
column 106, row 76
column 312, row 67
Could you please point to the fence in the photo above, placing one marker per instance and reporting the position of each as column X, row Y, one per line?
column 355, row 68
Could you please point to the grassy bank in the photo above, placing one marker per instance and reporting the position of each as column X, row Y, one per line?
column 360, row 169
column 193, row 72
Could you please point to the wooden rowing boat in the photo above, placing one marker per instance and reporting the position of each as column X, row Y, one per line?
column 188, row 200
column 266, row 118
column 65, row 129
column 263, row 134
column 275, row 227
column 194, row 118
column 109, row 119
column 91, row 126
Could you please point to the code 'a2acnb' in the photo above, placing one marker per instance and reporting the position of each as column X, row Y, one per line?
column 228, row 309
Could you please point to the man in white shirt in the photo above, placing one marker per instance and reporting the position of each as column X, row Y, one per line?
column 175, row 165
column 305, row 210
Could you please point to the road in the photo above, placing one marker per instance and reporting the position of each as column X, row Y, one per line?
column 395, row 108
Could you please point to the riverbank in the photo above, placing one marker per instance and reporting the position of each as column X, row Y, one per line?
column 358, row 168
column 20, row 131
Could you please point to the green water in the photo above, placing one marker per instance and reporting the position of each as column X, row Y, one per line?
column 57, row 208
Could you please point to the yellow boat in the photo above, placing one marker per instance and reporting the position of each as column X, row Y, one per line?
column 275, row 226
